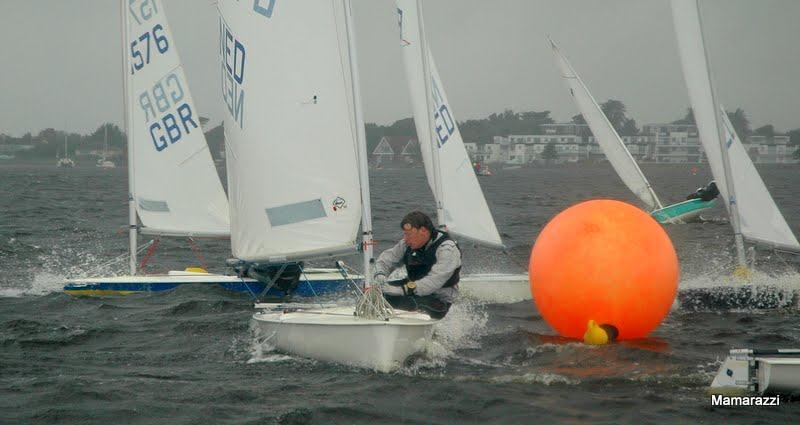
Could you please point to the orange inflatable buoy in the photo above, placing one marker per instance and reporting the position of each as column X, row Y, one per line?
column 604, row 261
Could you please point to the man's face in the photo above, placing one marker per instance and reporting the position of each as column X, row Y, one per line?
column 415, row 237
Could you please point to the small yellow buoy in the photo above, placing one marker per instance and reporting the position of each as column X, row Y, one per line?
column 595, row 335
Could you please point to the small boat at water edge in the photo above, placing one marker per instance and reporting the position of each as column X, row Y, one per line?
column 773, row 371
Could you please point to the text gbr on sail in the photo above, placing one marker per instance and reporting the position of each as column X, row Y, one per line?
column 167, row 114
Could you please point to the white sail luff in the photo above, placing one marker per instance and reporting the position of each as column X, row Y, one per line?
column 464, row 209
column 614, row 148
column 698, row 76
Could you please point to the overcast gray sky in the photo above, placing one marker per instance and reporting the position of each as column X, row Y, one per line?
column 60, row 60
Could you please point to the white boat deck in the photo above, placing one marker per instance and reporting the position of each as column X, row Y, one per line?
column 338, row 316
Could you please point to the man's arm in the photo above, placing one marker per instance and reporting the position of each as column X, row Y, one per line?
column 448, row 259
column 390, row 259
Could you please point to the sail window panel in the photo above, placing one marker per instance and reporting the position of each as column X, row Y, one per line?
column 153, row 206
column 296, row 213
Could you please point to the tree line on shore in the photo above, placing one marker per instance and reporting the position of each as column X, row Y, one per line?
column 478, row 131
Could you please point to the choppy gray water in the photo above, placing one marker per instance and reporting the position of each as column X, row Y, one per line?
column 188, row 356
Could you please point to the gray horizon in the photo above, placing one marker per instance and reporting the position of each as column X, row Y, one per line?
column 62, row 59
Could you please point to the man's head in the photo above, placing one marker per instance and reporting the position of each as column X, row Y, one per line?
column 417, row 229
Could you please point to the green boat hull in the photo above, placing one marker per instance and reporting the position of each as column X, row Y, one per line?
column 682, row 211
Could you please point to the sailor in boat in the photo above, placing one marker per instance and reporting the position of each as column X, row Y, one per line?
column 706, row 193
column 433, row 264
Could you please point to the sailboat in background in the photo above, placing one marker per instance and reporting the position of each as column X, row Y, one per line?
column 754, row 217
column 296, row 72
column 618, row 154
column 754, row 214
column 174, row 188
column 460, row 205
column 104, row 162
column 65, row 161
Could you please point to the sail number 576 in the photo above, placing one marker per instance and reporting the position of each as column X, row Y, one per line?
column 142, row 47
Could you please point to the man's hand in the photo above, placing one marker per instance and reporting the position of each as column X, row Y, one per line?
column 379, row 279
column 410, row 287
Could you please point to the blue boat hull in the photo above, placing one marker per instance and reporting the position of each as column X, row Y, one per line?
column 315, row 284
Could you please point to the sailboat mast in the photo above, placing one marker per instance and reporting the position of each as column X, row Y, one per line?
column 123, row 13
column 105, row 141
column 433, row 145
column 361, row 146
column 726, row 164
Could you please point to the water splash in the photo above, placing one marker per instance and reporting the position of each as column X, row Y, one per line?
column 462, row 328
column 543, row 378
column 42, row 283
column 261, row 347
column 556, row 348
column 762, row 290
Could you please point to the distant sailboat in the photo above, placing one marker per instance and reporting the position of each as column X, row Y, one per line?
column 754, row 215
column 65, row 161
column 618, row 154
column 104, row 162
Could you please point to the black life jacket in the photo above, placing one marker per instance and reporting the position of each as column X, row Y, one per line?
column 419, row 262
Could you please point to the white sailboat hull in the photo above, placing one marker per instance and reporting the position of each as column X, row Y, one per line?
column 497, row 288
column 336, row 335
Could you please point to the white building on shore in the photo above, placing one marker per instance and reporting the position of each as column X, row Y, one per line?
column 660, row 143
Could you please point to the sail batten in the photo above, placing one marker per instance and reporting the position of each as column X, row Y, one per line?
column 176, row 188
column 466, row 212
column 292, row 168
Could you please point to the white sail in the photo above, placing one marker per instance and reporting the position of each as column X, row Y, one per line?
column 466, row 213
column 290, row 132
column 605, row 134
column 760, row 219
column 175, row 185
column 686, row 19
